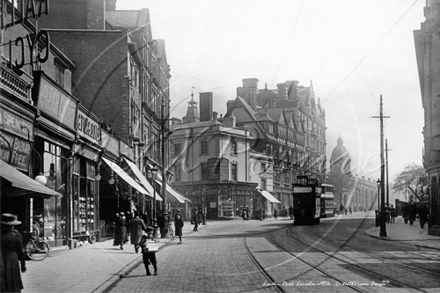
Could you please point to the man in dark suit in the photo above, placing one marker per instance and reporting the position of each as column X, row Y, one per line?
column 137, row 226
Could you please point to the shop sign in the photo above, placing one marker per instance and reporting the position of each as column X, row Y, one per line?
column 86, row 152
column 266, row 175
column 15, row 124
column 20, row 148
column 110, row 143
column 88, row 128
column 29, row 9
column 53, row 101
column 301, row 189
column 126, row 150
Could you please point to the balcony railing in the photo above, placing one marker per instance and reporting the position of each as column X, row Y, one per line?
column 12, row 83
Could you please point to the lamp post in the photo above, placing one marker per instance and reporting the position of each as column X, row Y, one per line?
column 153, row 174
column 40, row 178
column 378, row 202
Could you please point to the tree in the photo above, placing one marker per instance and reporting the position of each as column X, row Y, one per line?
column 412, row 178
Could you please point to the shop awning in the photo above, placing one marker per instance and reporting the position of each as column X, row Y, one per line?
column 173, row 194
column 121, row 173
column 143, row 180
column 22, row 185
column 268, row 196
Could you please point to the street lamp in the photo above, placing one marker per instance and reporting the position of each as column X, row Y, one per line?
column 154, row 173
column 40, row 178
column 378, row 202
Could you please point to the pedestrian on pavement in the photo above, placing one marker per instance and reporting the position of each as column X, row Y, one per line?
column 284, row 212
column 148, row 254
column 275, row 213
column 291, row 212
column 12, row 254
column 121, row 235
column 423, row 215
column 199, row 216
column 137, row 226
column 146, row 218
column 393, row 214
column 350, row 210
column 178, row 225
column 194, row 220
column 405, row 213
column 412, row 211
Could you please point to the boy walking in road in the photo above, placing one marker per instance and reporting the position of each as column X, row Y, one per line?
column 148, row 254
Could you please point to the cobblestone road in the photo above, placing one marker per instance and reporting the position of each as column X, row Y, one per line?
column 211, row 260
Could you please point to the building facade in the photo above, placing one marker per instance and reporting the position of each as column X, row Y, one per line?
column 88, row 103
column 427, row 43
column 287, row 124
column 210, row 163
column 351, row 191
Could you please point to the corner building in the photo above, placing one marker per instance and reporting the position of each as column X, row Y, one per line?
column 427, row 43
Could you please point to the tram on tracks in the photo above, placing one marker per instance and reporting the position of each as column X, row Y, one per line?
column 306, row 204
column 328, row 205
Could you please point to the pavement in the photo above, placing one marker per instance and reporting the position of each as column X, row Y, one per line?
column 96, row 267
column 399, row 231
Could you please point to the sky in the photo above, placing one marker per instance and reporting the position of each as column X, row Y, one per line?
column 353, row 51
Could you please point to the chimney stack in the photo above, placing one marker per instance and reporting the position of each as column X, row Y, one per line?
column 205, row 101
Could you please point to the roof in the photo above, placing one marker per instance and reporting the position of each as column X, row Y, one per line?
column 128, row 18
column 195, row 124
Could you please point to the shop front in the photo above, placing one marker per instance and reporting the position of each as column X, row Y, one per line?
column 220, row 200
column 54, row 135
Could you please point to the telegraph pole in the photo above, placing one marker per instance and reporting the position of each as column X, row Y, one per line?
column 382, row 214
column 386, row 159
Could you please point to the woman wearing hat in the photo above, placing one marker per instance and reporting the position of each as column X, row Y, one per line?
column 12, row 253
column 121, row 235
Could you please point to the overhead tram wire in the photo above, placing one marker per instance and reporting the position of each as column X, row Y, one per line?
column 288, row 41
column 369, row 52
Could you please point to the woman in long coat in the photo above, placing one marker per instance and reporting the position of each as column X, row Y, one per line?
column 121, row 236
column 178, row 225
column 12, row 254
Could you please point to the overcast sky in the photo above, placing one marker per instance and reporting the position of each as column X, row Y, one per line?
column 353, row 52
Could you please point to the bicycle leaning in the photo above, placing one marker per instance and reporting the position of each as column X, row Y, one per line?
column 34, row 247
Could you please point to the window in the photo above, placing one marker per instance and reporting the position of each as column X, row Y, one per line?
column 205, row 171
column 59, row 72
column 263, row 167
column 204, row 148
column 234, row 172
column 177, row 173
column 263, row 184
column 177, row 149
column 233, row 146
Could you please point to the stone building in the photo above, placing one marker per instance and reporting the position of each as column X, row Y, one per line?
column 427, row 43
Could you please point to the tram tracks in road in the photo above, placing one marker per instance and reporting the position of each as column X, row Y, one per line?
column 260, row 266
column 347, row 261
column 411, row 266
column 311, row 265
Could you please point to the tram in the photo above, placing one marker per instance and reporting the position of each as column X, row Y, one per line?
column 328, row 204
column 306, row 204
